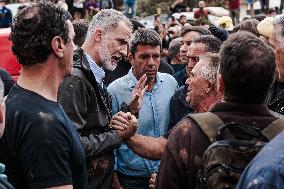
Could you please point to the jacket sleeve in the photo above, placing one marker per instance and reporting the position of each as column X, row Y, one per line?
column 75, row 97
column 173, row 171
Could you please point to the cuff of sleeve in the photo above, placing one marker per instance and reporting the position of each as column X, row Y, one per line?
column 116, row 140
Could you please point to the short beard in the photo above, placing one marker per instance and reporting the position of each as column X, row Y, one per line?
column 105, row 57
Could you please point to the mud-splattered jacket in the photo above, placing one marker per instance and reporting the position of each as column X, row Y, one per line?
column 187, row 143
column 88, row 107
column 275, row 100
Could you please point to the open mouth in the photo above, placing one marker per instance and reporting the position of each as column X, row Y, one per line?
column 150, row 72
column 116, row 58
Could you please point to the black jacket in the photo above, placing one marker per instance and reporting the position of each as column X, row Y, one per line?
column 275, row 99
column 179, row 107
column 88, row 107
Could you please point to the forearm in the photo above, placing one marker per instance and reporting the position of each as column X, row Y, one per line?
column 146, row 146
column 99, row 143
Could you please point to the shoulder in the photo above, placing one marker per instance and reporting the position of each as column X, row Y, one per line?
column 168, row 78
column 74, row 82
column 118, row 83
column 264, row 170
column 182, row 130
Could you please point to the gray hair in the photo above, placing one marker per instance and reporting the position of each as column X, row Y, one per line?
column 209, row 71
column 174, row 48
column 144, row 36
column 278, row 23
column 106, row 20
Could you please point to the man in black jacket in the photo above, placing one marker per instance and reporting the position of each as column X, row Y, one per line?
column 86, row 101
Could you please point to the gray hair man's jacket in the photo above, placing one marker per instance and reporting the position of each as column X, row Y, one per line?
column 88, row 107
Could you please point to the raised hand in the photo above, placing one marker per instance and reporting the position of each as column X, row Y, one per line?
column 137, row 95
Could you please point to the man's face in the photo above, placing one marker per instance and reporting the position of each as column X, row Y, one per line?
column 195, row 51
column 201, row 4
column 276, row 42
column 146, row 61
column 197, row 85
column 114, row 45
column 2, row 4
column 182, row 20
column 186, row 41
column 66, row 66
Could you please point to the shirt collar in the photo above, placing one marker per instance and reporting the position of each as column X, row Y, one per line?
column 133, row 80
column 98, row 72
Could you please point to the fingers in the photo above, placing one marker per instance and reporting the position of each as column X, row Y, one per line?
column 120, row 121
column 141, row 83
column 117, row 124
column 122, row 114
column 116, row 127
column 144, row 90
column 133, row 120
column 152, row 181
column 136, row 97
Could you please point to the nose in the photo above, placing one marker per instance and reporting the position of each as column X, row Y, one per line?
column 183, row 48
column 151, row 62
column 123, row 50
column 187, row 81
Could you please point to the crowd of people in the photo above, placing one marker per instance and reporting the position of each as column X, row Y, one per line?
column 103, row 104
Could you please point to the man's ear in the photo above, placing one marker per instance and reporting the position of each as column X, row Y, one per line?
column 57, row 45
column 97, row 35
column 220, row 85
column 178, row 57
column 209, row 87
column 131, row 58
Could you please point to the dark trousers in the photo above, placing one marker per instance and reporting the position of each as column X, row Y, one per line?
column 132, row 182
column 264, row 5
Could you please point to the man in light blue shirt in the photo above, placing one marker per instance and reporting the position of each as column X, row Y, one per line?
column 154, row 115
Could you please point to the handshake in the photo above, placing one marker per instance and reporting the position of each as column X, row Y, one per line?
column 125, row 124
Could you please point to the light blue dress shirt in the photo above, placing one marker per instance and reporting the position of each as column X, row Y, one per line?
column 154, row 118
column 98, row 72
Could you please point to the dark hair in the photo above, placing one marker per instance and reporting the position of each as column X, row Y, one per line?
column 174, row 48
column 249, row 25
column 33, row 29
column 196, row 29
column 212, row 44
column 80, row 29
column 181, row 16
column 144, row 36
column 247, row 66
column 136, row 25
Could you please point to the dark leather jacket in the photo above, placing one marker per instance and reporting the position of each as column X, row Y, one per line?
column 275, row 98
column 88, row 107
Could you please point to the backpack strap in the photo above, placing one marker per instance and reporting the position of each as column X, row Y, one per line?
column 274, row 128
column 208, row 122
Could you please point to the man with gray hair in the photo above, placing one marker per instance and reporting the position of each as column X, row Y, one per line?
column 275, row 100
column 134, row 171
column 174, row 54
column 246, row 71
column 86, row 101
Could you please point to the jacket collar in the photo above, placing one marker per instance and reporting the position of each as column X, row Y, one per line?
column 259, row 109
column 80, row 61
